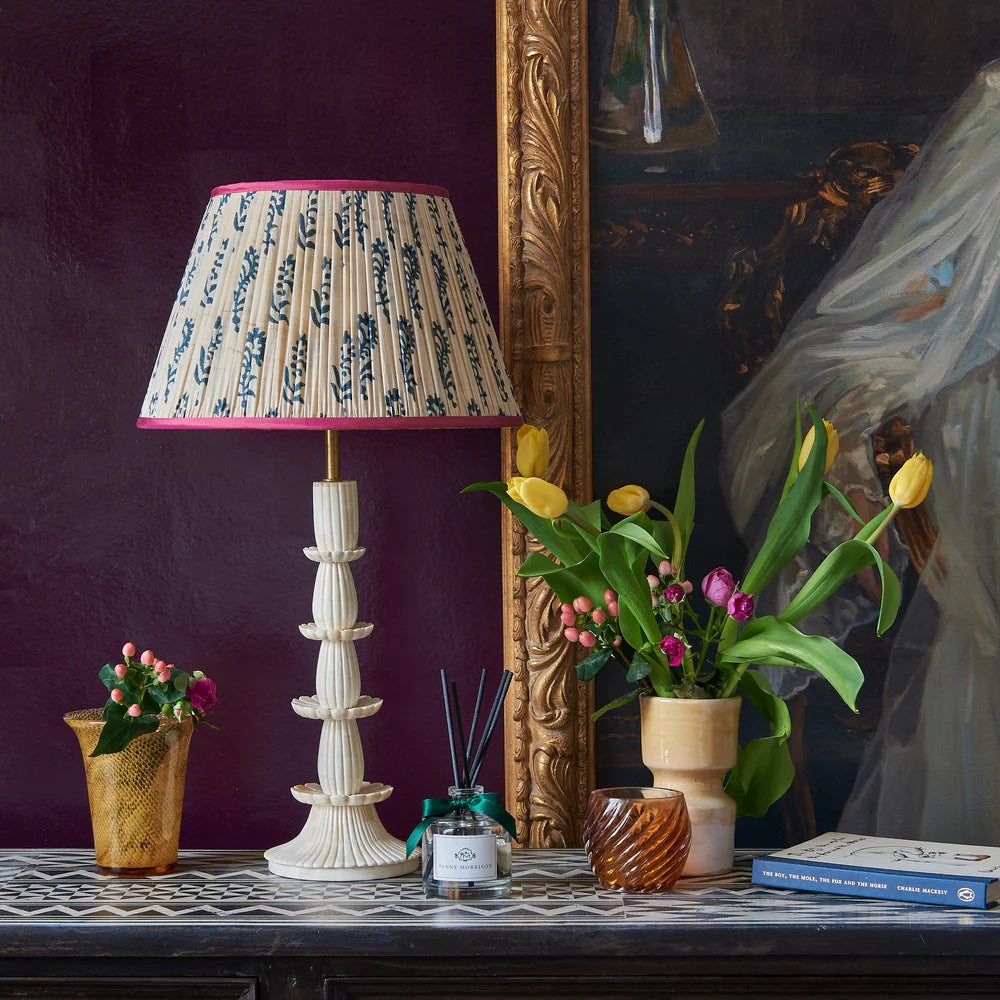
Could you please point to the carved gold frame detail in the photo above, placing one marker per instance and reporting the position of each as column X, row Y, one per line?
column 545, row 330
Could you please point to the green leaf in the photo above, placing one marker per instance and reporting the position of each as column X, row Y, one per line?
column 763, row 639
column 831, row 491
column 631, row 587
column 116, row 734
column 640, row 535
column 789, row 527
column 848, row 558
column 764, row 769
column 591, row 514
column 638, row 669
column 763, row 773
column 685, row 502
column 588, row 668
column 617, row 703
column 568, row 582
column 566, row 550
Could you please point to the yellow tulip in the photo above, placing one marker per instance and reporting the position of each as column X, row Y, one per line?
column 910, row 485
column 532, row 450
column 628, row 499
column 832, row 445
column 540, row 497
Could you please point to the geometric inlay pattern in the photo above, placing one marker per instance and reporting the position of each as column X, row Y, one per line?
column 549, row 886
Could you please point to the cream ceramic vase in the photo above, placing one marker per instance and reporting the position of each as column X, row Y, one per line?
column 690, row 744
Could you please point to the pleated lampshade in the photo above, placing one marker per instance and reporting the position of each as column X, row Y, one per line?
column 329, row 304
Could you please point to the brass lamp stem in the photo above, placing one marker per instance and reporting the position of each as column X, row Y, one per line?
column 332, row 455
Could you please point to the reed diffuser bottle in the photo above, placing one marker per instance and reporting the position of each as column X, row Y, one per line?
column 466, row 838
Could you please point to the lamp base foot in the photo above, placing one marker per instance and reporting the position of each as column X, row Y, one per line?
column 341, row 844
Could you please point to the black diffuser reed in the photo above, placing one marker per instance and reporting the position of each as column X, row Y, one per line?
column 466, row 763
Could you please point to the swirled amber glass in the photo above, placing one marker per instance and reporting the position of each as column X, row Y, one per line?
column 637, row 839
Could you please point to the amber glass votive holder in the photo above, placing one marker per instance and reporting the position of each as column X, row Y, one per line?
column 637, row 839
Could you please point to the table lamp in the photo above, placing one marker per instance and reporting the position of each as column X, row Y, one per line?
column 323, row 305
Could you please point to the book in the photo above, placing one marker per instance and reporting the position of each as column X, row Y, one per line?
column 886, row 868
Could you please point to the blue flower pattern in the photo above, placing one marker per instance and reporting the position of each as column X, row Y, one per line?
column 236, row 237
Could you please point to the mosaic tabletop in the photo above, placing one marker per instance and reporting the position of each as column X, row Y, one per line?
column 232, row 899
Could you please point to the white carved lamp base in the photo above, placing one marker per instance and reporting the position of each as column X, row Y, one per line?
column 343, row 839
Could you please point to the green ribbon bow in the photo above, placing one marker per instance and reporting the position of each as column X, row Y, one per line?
column 487, row 803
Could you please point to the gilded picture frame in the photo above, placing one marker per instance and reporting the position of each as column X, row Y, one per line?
column 545, row 330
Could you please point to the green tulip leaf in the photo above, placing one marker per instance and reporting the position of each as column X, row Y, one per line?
column 590, row 515
column 848, row 558
column 566, row 549
column 762, row 774
column 617, row 703
column 763, row 639
column 641, row 536
column 569, row 582
column 831, row 491
column 619, row 567
column 685, row 502
column 788, row 531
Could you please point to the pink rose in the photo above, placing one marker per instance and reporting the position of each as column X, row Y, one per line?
column 674, row 593
column 718, row 586
column 202, row 694
column 740, row 606
column 673, row 648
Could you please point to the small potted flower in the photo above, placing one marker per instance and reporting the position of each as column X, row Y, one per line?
column 689, row 651
column 135, row 758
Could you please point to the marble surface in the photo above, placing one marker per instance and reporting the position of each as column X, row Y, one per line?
column 55, row 902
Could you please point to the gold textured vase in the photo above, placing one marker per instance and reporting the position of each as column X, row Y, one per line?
column 636, row 839
column 135, row 795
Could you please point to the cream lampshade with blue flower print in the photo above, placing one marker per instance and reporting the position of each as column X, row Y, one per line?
column 331, row 305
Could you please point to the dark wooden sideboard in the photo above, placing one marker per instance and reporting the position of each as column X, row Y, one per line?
column 222, row 927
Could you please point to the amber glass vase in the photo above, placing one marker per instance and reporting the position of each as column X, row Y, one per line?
column 135, row 795
column 637, row 839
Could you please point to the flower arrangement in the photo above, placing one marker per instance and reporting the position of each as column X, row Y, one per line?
column 143, row 690
column 627, row 599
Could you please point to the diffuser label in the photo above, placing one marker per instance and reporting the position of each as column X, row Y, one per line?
column 465, row 859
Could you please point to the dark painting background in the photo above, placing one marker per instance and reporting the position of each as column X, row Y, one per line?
column 116, row 120
column 788, row 82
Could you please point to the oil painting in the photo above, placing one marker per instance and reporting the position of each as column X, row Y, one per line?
column 795, row 201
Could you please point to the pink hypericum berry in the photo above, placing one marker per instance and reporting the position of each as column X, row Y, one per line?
column 609, row 596
column 571, row 634
column 587, row 639
column 567, row 617
column 121, row 670
column 128, row 649
column 655, row 599
column 134, row 710
column 160, row 664
column 666, row 568
column 565, row 607
column 617, row 641
column 688, row 586
column 599, row 616
column 148, row 657
column 653, row 581
column 163, row 676
column 583, row 605
column 613, row 609
column 116, row 694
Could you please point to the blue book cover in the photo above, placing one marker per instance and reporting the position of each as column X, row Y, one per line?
column 886, row 868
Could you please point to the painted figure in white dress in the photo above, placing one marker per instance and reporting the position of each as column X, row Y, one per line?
column 907, row 325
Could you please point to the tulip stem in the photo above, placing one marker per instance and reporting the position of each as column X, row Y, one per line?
column 734, row 679
column 678, row 553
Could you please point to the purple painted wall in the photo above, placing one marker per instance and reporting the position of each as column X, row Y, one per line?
column 116, row 120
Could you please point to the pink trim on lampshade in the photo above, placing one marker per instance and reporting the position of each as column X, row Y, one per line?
column 427, row 189
column 322, row 423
